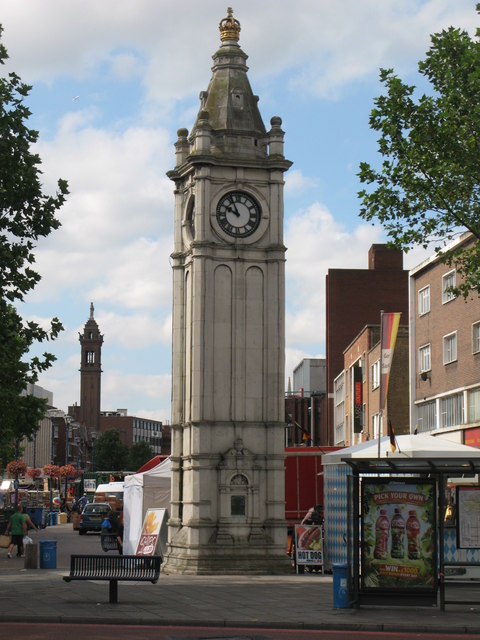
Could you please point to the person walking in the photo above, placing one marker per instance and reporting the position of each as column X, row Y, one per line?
column 17, row 526
column 82, row 502
column 28, row 520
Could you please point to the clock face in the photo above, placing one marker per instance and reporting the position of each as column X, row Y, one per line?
column 238, row 214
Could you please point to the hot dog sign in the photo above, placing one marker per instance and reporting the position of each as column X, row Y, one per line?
column 309, row 544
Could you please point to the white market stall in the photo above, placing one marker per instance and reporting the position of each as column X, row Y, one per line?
column 141, row 492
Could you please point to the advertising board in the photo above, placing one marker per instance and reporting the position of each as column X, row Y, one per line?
column 399, row 550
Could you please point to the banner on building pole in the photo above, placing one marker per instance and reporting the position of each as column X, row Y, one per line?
column 389, row 330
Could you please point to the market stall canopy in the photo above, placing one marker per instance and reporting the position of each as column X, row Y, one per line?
column 141, row 492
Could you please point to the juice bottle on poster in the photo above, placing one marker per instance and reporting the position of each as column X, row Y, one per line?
column 382, row 528
column 413, row 535
column 398, row 535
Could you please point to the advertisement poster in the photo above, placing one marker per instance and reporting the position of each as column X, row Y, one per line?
column 151, row 531
column 398, row 534
column 89, row 484
column 468, row 518
column 309, row 544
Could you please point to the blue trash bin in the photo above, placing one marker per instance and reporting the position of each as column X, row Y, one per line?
column 36, row 515
column 340, row 586
column 48, row 554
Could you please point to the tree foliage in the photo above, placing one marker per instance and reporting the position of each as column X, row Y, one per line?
column 110, row 452
column 26, row 215
column 427, row 190
column 139, row 454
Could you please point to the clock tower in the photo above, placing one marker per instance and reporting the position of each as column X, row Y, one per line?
column 228, row 504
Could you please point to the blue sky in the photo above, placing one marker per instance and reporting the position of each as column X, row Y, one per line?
column 113, row 81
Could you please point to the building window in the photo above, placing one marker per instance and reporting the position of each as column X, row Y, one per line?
column 448, row 281
column 90, row 357
column 424, row 300
column 450, row 348
column 426, row 416
column 375, row 374
column 476, row 337
column 424, row 358
column 451, row 410
column 339, row 417
column 474, row 405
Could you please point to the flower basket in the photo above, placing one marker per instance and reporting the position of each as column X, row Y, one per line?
column 68, row 471
column 51, row 471
column 34, row 473
column 16, row 468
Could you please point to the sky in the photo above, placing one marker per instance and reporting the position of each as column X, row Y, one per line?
column 113, row 81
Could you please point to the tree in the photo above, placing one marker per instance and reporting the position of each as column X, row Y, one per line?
column 427, row 190
column 139, row 454
column 26, row 214
column 110, row 452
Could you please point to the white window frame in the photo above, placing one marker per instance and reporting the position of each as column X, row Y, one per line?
column 448, row 281
column 424, row 300
column 375, row 372
column 375, row 425
column 476, row 337
column 450, row 348
column 424, row 361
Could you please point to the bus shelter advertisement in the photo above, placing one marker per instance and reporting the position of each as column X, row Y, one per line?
column 398, row 535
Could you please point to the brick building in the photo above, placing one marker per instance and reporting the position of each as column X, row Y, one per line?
column 444, row 353
column 354, row 299
column 361, row 380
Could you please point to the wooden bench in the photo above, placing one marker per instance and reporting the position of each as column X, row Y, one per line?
column 113, row 569
column 109, row 541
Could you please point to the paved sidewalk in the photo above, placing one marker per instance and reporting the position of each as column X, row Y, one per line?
column 288, row 602
column 302, row 602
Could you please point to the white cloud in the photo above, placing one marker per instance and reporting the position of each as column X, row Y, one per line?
column 119, row 385
column 134, row 331
column 317, row 243
column 296, row 181
column 323, row 49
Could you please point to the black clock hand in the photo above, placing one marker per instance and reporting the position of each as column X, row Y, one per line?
column 234, row 210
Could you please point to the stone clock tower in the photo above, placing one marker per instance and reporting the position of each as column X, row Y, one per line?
column 228, row 504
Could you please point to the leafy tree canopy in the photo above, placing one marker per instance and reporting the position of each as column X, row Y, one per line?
column 110, row 452
column 26, row 215
column 139, row 454
column 427, row 190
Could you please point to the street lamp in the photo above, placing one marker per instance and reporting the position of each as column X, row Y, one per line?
column 51, row 414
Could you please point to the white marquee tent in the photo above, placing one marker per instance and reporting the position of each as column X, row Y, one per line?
column 142, row 491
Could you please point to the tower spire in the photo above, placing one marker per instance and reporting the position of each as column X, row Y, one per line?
column 91, row 310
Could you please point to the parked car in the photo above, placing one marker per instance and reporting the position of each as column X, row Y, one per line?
column 92, row 516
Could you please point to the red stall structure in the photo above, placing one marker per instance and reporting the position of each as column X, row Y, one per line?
column 303, row 481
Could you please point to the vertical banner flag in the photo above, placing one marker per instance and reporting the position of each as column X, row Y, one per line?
column 389, row 329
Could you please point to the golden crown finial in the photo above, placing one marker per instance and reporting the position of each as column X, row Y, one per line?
column 229, row 27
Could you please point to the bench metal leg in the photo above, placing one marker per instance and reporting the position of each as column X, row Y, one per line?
column 113, row 591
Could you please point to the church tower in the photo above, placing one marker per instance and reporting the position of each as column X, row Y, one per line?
column 91, row 341
column 228, row 505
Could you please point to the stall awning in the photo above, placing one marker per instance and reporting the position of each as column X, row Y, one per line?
column 453, row 467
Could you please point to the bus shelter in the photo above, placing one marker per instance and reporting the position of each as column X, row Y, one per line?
column 396, row 519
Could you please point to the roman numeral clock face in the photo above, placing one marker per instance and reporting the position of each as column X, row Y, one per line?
column 238, row 214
